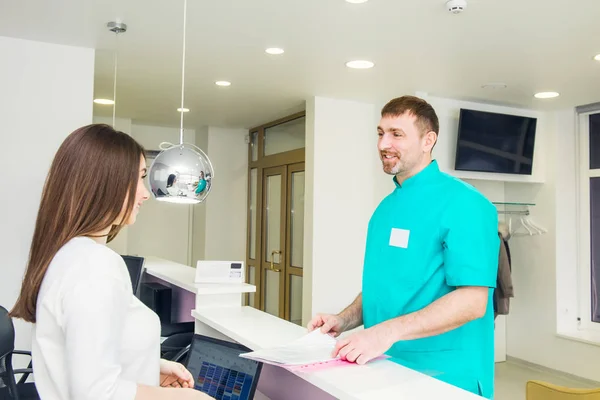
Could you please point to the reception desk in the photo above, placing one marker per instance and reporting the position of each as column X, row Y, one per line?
column 218, row 312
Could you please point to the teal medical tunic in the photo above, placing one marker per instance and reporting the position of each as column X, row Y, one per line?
column 431, row 235
column 201, row 186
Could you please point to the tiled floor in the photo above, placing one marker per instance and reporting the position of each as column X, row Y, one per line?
column 512, row 376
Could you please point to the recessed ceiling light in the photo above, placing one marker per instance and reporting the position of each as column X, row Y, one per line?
column 494, row 85
column 356, row 1
column 222, row 83
column 546, row 95
column 597, row 57
column 359, row 64
column 274, row 50
column 105, row 102
column 183, row 109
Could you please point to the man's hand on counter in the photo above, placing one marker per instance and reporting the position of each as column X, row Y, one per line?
column 363, row 346
column 328, row 323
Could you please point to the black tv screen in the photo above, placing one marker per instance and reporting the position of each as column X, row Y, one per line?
column 492, row 142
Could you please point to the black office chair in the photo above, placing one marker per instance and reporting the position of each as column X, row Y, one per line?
column 174, row 345
column 183, row 355
column 135, row 266
column 10, row 389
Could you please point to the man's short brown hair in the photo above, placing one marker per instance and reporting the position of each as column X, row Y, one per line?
column 427, row 119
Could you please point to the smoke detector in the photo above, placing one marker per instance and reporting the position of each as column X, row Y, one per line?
column 116, row 27
column 456, row 6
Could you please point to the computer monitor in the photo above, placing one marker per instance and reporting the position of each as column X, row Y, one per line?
column 219, row 371
column 135, row 265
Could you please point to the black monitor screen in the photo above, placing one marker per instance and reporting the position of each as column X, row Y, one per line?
column 220, row 372
column 135, row 266
column 491, row 142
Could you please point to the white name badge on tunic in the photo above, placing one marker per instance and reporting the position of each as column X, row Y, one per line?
column 399, row 238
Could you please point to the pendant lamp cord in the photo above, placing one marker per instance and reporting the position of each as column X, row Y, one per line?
column 183, row 71
column 115, row 80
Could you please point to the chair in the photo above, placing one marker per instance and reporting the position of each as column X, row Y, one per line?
column 538, row 390
column 183, row 355
column 174, row 346
column 10, row 389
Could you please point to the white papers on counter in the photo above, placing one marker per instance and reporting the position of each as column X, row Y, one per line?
column 312, row 348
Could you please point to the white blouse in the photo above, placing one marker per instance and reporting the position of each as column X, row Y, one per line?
column 93, row 339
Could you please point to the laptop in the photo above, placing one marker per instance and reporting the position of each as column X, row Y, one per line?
column 219, row 371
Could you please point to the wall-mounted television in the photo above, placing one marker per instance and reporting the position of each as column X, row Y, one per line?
column 492, row 142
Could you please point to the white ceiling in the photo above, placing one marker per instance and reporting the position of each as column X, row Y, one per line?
column 531, row 45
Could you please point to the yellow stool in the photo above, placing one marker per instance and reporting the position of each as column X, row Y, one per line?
column 538, row 390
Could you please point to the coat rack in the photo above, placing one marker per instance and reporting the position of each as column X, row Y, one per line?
column 523, row 224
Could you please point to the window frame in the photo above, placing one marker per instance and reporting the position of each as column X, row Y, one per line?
column 584, row 264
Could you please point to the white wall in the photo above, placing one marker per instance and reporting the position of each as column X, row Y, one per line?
column 162, row 229
column 199, row 210
column 121, row 124
column 47, row 93
column 339, row 201
column 118, row 244
column 448, row 114
column 566, row 204
column 545, row 267
column 226, row 205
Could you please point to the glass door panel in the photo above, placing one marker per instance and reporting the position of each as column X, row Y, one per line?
column 297, row 219
column 274, row 224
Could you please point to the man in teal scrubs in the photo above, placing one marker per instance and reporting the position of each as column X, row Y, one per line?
column 430, row 264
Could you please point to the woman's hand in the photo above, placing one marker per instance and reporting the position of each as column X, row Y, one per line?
column 175, row 375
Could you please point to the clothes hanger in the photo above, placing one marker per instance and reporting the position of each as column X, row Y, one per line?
column 527, row 223
column 524, row 225
column 536, row 227
column 528, row 227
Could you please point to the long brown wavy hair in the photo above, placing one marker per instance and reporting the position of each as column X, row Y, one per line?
column 95, row 170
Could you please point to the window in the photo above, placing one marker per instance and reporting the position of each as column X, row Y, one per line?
column 589, row 240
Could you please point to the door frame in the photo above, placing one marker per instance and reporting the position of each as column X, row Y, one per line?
column 265, row 264
column 290, row 270
column 261, row 163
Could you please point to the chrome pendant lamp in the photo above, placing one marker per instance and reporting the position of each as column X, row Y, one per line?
column 116, row 28
column 181, row 173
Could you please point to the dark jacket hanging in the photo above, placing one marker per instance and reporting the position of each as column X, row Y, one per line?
column 504, row 287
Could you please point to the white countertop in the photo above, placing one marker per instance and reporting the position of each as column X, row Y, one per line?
column 377, row 380
column 184, row 276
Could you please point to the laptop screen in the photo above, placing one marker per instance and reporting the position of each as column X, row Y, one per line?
column 220, row 372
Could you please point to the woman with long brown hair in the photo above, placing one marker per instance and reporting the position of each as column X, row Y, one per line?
column 92, row 338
